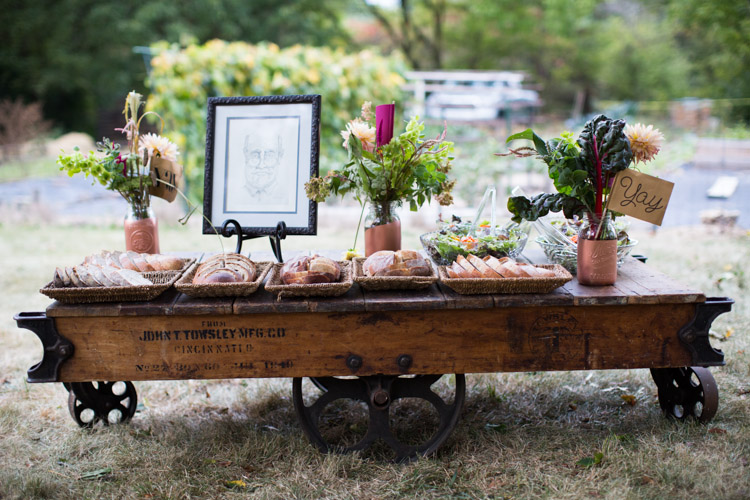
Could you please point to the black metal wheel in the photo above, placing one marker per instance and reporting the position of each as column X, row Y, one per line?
column 105, row 402
column 689, row 392
column 378, row 398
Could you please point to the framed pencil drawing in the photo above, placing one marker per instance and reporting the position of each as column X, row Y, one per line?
column 260, row 152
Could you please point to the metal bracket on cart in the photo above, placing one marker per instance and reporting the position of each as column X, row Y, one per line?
column 57, row 348
column 695, row 334
column 278, row 235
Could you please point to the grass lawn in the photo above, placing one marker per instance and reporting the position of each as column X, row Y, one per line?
column 520, row 436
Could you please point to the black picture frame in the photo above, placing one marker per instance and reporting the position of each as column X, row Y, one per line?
column 258, row 207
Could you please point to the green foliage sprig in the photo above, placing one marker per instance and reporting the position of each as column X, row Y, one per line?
column 125, row 173
column 409, row 169
column 581, row 170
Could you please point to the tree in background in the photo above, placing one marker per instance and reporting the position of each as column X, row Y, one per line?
column 618, row 50
column 76, row 56
column 716, row 36
column 182, row 79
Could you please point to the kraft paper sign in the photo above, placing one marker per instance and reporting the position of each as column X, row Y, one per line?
column 640, row 195
column 165, row 176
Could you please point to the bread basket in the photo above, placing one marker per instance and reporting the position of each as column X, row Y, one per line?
column 161, row 280
column 243, row 289
column 277, row 287
column 472, row 286
column 375, row 283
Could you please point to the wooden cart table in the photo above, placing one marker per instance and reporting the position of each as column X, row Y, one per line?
column 362, row 345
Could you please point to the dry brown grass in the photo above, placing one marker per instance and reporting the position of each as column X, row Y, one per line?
column 520, row 435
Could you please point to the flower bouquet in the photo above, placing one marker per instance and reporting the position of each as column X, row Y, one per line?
column 583, row 171
column 147, row 168
column 384, row 172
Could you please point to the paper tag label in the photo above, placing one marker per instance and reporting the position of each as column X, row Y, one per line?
column 168, row 172
column 642, row 196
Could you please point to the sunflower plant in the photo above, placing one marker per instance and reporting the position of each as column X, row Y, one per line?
column 126, row 172
column 583, row 170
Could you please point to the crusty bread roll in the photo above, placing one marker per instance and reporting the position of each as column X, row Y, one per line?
column 399, row 263
column 305, row 270
column 226, row 268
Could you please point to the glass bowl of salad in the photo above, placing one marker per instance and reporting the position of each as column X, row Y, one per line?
column 566, row 254
column 459, row 237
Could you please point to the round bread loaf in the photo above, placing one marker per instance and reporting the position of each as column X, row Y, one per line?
column 305, row 270
column 226, row 268
column 399, row 263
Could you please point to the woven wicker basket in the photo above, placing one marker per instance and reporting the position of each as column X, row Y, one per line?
column 391, row 282
column 161, row 280
column 277, row 287
column 472, row 286
column 186, row 286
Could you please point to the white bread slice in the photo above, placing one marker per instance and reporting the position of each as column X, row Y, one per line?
column 470, row 270
column 133, row 278
column 511, row 269
column 87, row 279
column 99, row 275
column 111, row 273
column 482, row 267
column 451, row 271
column 497, row 266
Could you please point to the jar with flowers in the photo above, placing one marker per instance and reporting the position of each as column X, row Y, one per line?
column 133, row 173
column 582, row 172
column 385, row 172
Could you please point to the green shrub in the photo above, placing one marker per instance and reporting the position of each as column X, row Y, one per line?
column 182, row 79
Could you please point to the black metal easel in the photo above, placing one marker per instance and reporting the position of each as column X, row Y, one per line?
column 279, row 234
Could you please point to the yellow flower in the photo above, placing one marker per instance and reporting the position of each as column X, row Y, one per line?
column 362, row 131
column 644, row 141
column 157, row 145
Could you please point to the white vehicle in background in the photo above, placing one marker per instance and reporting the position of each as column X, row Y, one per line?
column 471, row 95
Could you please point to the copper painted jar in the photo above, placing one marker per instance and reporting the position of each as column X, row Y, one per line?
column 382, row 229
column 597, row 252
column 141, row 230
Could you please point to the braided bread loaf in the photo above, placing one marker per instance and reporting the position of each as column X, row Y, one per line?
column 226, row 268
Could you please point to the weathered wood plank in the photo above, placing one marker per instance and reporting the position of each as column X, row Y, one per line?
column 454, row 300
column 318, row 344
column 161, row 305
column 594, row 295
column 665, row 288
column 558, row 297
column 404, row 300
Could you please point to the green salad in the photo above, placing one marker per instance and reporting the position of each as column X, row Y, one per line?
column 458, row 237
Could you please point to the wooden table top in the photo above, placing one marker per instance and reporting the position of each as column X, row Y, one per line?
column 636, row 283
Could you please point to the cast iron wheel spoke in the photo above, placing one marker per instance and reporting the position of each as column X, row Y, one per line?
column 681, row 390
column 101, row 400
column 419, row 387
column 378, row 392
column 308, row 416
column 380, row 428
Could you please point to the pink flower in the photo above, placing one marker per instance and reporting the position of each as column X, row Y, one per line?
column 124, row 162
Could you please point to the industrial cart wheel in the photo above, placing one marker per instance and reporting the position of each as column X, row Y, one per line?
column 687, row 392
column 380, row 394
column 105, row 402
